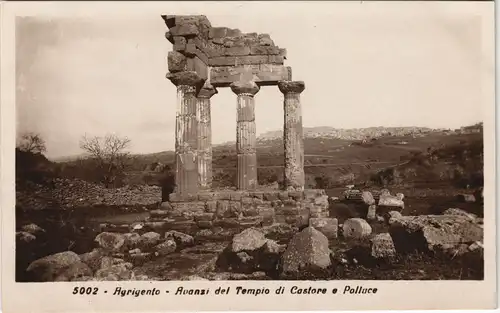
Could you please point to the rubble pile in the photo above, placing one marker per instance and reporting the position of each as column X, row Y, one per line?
column 69, row 193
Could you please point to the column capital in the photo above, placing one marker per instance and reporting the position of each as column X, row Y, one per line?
column 249, row 88
column 186, row 78
column 286, row 86
column 207, row 91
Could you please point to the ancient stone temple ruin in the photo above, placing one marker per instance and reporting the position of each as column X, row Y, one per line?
column 203, row 59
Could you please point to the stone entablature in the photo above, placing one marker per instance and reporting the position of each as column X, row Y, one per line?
column 205, row 58
column 221, row 54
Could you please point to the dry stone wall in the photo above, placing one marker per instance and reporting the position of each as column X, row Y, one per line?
column 241, row 209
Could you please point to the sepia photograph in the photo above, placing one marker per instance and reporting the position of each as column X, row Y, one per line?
column 246, row 144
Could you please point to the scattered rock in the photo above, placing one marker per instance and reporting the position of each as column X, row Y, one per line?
column 250, row 251
column 132, row 240
column 327, row 226
column 466, row 198
column 279, row 231
column 93, row 258
column 367, row 198
column 24, row 237
column 110, row 241
column 307, row 254
column 372, row 213
column 166, row 247
column 116, row 272
column 400, row 196
column 32, row 229
column 148, row 240
column 75, row 271
column 356, row 228
column 428, row 232
column 182, row 240
column 382, row 246
column 248, row 240
column 454, row 211
column 48, row 268
column 391, row 216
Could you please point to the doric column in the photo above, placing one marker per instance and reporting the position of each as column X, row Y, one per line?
column 245, row 134
column 293, row 134
column 186, row 131
column 205, row 137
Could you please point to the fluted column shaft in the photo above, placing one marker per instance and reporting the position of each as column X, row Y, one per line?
column 205, row 137
column 186, row 132
column 293, row 134
column 245, row 135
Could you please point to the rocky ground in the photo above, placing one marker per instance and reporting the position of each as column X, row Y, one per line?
column 384, row 244
column 65, row 193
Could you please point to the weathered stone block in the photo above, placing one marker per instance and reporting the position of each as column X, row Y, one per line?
column 250, row 221
column 290, row 210
column 190, row 49
column 158, row 213
column 174, row 197
column 179, row 43
column 283, row 195
column 258, row 201
column 222, row 208
column 177, row 62
column 276, row 203
column 234, row 209
column 327, row 226
column 183, row 226
column 237, row 51
column 247, row 201
column 257, row 194
column 223, row 76
column 223, row 195
column 271, row 196
column 276, row 59
column 290, row 202
column 218, row 32
column 205, row 224
column 264, row 50
column 296, row 195
column 236, row 196
column 185, row 30
column 227, row 223
column 197, row 65
column 250, row 211
column 204, row 217
column 320, row 215
column 211, row 206
column 205, row 196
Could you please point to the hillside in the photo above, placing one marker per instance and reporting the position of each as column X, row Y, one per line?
column 354, row 133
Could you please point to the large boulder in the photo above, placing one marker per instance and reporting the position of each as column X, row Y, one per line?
column 93, row 258
column 113, row 242
column 148, row 241
column 48, row 268
column 454, row 211
column 166, row 247
column 23, row 237
column 32, row 229
column 382, row 246
column 75, row 271
column 368, row 198
column 307, row 255
column 116, row 272
column 356, row 228
column 430, row 232
column 250, row 251
column 326, row 225
column 182, row 240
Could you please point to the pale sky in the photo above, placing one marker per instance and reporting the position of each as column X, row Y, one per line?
column 363, row 64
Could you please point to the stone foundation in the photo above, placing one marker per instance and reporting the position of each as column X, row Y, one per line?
column 241, row 209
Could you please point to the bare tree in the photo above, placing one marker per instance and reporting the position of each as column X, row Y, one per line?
column 31, row 142
column 109, row 154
